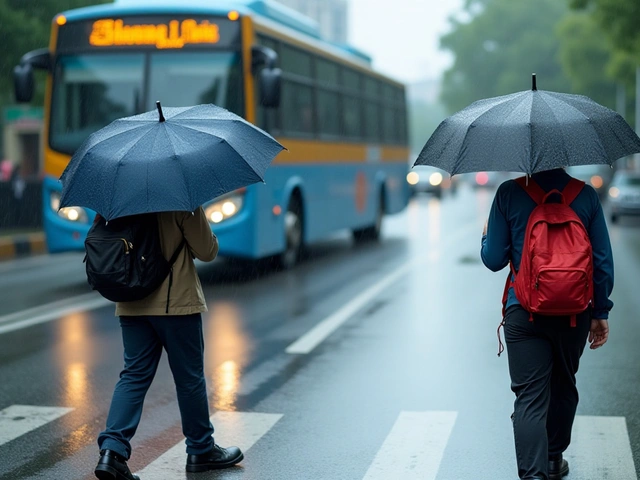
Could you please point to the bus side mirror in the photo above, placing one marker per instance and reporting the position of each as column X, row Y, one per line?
column 270, row 87
column 23, row 82
column 23, row 78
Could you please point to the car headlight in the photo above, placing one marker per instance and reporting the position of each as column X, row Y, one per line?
column 435, row 179
column 614, row 192
column 413, row 178
column 224, row 208
column 72, row 214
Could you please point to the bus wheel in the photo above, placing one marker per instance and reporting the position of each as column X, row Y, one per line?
column 373, row 232
column 293, row 235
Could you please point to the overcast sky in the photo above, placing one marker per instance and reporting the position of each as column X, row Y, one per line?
column 402, row 36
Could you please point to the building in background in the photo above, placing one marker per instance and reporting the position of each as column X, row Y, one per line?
column 331, row 16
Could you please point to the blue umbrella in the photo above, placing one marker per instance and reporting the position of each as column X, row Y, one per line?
column 529, row 132
column 174, row 160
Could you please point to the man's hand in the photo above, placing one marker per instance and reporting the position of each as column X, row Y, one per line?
column 486, row 225
column 599, row 333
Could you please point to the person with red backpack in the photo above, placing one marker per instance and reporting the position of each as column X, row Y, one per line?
column 551, row 230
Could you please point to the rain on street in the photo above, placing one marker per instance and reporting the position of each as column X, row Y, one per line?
column 373, row 361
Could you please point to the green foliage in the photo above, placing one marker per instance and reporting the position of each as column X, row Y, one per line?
column 500, row 47
column 25, row 26
column 585, row 55
column 618, row 19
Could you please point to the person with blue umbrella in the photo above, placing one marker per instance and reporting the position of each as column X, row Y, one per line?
column 147, row 177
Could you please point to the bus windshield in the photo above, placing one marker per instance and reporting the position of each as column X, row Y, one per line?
column 92, row 90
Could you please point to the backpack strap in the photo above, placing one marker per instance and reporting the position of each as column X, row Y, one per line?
column 534, row 190
column 172, row 260
column 572, row 190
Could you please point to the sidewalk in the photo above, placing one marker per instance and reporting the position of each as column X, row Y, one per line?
column 21, row 243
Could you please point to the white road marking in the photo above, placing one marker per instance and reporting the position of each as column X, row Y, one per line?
column 414, row 448
column 17, row 420
column 51, row 311
column 314, row 337
column 600, row 448
column 242, row 429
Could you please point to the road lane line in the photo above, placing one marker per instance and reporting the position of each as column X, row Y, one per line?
column 600, row 448
column 314, row 337
column 414, row 447
column 51, row 311
column 242, row 429
column 17, row 420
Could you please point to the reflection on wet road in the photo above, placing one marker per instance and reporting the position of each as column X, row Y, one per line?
column 370, row 362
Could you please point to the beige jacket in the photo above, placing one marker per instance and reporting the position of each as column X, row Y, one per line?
column 186, row 292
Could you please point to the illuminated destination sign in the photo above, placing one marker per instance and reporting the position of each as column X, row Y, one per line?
column 152, row 32
column 175, row 34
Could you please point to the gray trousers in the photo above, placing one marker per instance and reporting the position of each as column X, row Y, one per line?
column 144, row 339
column 543, row 362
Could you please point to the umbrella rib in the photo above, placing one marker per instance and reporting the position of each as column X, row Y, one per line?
column 213, row 171
column 507, row 98
column 230, row 146
column 564, row 131
column 119, row 164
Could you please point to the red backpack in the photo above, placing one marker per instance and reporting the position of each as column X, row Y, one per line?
column 556, row 269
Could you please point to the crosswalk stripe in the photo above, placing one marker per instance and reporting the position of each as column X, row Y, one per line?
column 414, row 447
column 242, row 429
column 600, row 448
column 17, row 420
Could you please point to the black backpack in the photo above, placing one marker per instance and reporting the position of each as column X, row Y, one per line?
column 124, row 260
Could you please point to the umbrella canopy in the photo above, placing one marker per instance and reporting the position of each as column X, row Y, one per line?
column 529, row 132
column 171, row 160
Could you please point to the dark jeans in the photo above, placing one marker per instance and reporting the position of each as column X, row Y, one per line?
column 543, row 362
column 144, row 338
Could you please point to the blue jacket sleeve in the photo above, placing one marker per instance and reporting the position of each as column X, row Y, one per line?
column 602, row 261
column 496, row 244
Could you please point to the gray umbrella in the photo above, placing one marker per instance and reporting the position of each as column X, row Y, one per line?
column 529, row 132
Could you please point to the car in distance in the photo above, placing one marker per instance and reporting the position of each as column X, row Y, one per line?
column 624, row 194
column 426, row 179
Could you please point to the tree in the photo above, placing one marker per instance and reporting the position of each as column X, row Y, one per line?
column 618, row 19
column 498, row 49
column 585, row 54
column 26, row 25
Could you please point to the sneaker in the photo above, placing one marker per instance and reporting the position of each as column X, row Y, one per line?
column 215, row 459
column 112, row 466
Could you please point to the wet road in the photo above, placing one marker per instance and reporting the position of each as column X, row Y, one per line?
column 369, row 362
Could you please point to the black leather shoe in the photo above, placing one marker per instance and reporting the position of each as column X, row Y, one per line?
column 215, row 459
column 112, row 466
column 558, row 468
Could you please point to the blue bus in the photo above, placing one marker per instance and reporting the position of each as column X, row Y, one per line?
column 343, row 123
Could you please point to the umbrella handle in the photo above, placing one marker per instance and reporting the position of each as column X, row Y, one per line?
column 162, row 119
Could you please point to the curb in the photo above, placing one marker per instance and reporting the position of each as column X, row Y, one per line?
column 22, row 245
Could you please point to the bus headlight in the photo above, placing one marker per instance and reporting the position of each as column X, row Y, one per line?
column 223, row 208
column 72, row 214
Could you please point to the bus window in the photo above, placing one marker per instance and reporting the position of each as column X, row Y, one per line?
column 295, row 61
column 389, row 133
column 181, row 79
column 372, row 88
column 297, row 108
column 326, row 73
column 352, row 117
column 90, row 92
column 372, row 122
column 328, row 113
